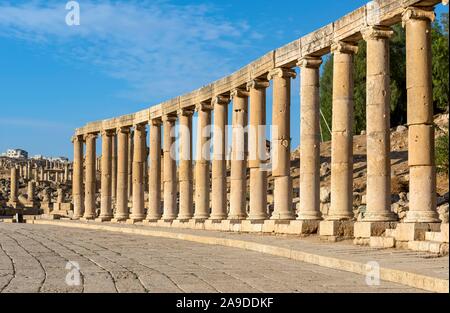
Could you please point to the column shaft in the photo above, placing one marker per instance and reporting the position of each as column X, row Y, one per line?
column 219, row 170
column 238, row 176
column 378, row 125
column 114, row 167
column 122, row 211
column 186, row 205
column 421, row 158
column 170, row 180
column 90, row 183
column 281, row 143
column 106, row 199
column 202, row 174
column 154, row 208
column 310, row 139
column 342, row 133
column 257, row 149
column 77, row 184
column 139, row 155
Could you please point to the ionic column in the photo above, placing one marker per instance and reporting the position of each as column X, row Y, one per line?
column 238, row 176
column 89, row 185
column 122, row 211
column 106, row 200
column 219, row 170
column 257, row 149
column 309, row 139
column 77, row 184
column 114, row 167
column 170, row 169
column 154, row 183
column 139, row 155
column 202, row 174
column 186, row 209
column 421, row 159
column 342, row 133
column 13, row 196
column 378, row 125
column 281, row 143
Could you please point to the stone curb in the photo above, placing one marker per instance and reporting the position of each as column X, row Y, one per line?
column 423, row 282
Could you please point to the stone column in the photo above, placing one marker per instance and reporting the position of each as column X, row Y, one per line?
column 114, row 167
column 154, row 207
column 60, row 195
column 106, row 200
column 139, row 155
column 170, row 169
column 281, row 143
column 66, row 172
column 342, row 133
column 309, row 139
column 130, row 164
column 378, row 125
column 90, row 183
column 122, row 211
column 13, row 196
column 219, row 170
column 257, row 149
column 238, row 176
column 30, row 192
column 202, row 172
column 422, row 168
column 77, row 184
column 186, row 209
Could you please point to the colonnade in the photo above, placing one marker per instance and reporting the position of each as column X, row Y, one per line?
column 199, row 191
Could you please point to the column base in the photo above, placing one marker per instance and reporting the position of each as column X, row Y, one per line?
column 87, row 219
column 169, row 218
column 120, row 218
column 310, row 216
column 285, row 216
column 184, row 218
column 380, row 217
column 76, row 217
column 365, row 229
column 257, row 217
column 218, row 217
column 335, row 230
column 153, row 218
column 103, row 219
column 201, row 217
column 237, row 217
column 422, row 217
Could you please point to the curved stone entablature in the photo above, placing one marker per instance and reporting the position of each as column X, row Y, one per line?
column 317, row 43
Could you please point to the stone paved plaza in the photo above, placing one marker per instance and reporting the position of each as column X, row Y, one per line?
column 33, row 258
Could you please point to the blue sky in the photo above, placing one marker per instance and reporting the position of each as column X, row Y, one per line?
column 129, row 55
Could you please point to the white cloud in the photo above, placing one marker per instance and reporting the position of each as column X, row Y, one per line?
column 160, row 49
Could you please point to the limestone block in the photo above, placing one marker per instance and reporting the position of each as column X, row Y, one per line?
column 369, row 229
column 444, row 232
column 421, row 145
column 381, row 242
column 336, row 228
column 414, row 231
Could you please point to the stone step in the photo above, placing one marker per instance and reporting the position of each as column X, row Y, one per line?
column 381, row 242
column 428, row 246
column 444, row 232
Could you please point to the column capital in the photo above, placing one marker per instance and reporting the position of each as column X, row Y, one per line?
column 108, row 132
column 377, row 32
column 309, row 62
column 185, row 112
column 220, row 100
column 415, row 13
column 238, row 92
column 203, row 106
column 140, row 126
column 169, row 118
column 77, row 138
column 258, row 83
column 344, row 47
column 123, row 129
column 281, row 72
column 90, row 136
column 156, row 122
